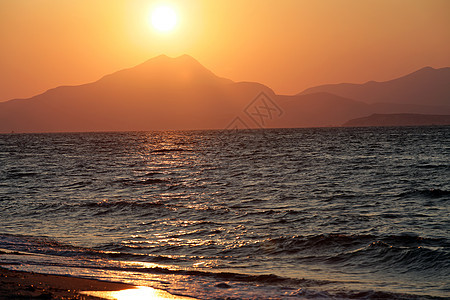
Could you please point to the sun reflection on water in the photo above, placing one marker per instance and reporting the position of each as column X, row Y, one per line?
column 138, row 293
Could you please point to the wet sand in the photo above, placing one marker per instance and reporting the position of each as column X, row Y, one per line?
column 29, row 285
column 25, row 285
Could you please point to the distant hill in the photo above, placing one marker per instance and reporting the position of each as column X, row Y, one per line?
column 426, row 86
column 166, row 93
column 399, row 120
column 318, row 110
column 163, row 93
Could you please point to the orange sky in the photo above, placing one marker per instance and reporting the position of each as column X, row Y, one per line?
column 288, row 45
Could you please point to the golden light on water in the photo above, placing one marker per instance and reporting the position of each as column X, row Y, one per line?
column 138, row 293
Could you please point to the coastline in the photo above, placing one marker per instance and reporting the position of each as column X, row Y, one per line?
column 30, row 285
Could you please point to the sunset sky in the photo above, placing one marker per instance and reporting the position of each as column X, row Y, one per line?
column 288, row 45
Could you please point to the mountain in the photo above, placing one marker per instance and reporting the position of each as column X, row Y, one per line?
column 329, row 110
column 399, row 120
column 318, row 110
column 162, row 93
column 179, row 93
column 426, row 86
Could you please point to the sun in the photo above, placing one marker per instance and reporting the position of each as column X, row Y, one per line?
column 164, row 18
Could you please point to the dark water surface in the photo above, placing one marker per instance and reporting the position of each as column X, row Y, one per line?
column 292, row 213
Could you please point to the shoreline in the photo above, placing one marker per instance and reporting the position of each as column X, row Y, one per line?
column 30, row 285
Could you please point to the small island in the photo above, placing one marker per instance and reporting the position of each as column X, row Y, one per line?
column 399, row 120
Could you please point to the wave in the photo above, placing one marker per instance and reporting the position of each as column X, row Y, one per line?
column 149, row 181
column 408, row 253
column 41, row 245
column 133, row 208
column 47, row 246
column 382, row 257
column 16, row 174
column 152, row 204
column 151, row 174
column 367, row 295
column 308, row 288
column 432, row 166
column 427, row 193
column 171, row 150
column 78, row 184
column 122, row 204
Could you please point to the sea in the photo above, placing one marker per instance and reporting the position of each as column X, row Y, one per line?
column 313, row 213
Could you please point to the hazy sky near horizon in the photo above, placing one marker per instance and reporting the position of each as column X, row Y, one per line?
column 288, row 45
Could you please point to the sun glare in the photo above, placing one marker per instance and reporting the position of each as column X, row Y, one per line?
column 164, row 18
column 138, row 293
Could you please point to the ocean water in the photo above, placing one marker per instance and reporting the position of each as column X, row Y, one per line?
column 331, row 213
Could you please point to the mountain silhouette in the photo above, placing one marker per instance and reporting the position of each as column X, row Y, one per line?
column 426, row 86
column 179, row 93
column 399, row 120
column 162, row 93
column 318, row 110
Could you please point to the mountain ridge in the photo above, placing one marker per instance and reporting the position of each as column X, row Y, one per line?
column 160, row 94
column 426, row 84
column 165, row 93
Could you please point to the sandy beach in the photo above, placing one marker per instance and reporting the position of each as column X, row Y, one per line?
column 30, row 285
column 25, row 285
